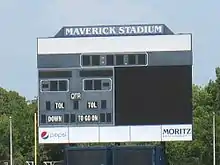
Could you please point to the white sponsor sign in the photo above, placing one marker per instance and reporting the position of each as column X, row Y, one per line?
column 115, row 134
column 53, row 135
column 176, row 132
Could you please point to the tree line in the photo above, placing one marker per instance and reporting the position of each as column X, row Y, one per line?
column 206, row 100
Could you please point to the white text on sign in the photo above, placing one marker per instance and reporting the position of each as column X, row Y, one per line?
column 59, row 106
column 92, row 105
column 54, row 119
column 75, row 96
column 88, row 118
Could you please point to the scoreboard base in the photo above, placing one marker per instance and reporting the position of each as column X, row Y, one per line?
column 106, row 134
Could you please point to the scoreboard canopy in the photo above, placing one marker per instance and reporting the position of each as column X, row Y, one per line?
column 115, row 83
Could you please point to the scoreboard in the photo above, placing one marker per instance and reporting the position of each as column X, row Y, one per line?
column 115, row 83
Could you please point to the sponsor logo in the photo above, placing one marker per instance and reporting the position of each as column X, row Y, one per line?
column 177, row 132
column 44, row 135
column 57, row 135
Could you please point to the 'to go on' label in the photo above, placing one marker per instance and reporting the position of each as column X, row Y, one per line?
column 88, row 118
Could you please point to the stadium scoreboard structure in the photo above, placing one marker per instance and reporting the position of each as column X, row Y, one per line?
column 115, row 83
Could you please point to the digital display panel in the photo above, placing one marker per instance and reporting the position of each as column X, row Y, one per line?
column 138, row 95
column 153, row 95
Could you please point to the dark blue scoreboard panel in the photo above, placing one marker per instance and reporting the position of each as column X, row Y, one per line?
column 130, row 155
column 115, row 89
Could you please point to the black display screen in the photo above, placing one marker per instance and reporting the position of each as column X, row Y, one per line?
column 153, row 95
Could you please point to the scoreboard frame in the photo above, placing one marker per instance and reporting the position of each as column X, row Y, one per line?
column 178, row 52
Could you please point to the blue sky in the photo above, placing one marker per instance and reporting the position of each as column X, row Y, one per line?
column 24, row 20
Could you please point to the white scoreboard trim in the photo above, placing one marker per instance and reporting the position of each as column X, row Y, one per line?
column 120, row 44
column 115, row 134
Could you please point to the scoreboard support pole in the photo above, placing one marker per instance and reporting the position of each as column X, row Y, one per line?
column 35, row 138
column 163, row 144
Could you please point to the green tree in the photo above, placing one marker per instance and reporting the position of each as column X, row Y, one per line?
column 197, row 151
column 206, row 100
column 22, row 112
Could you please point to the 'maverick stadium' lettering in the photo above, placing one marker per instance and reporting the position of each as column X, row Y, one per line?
column 113, row 30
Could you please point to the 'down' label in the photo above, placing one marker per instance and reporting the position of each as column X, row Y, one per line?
column 55, row 119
